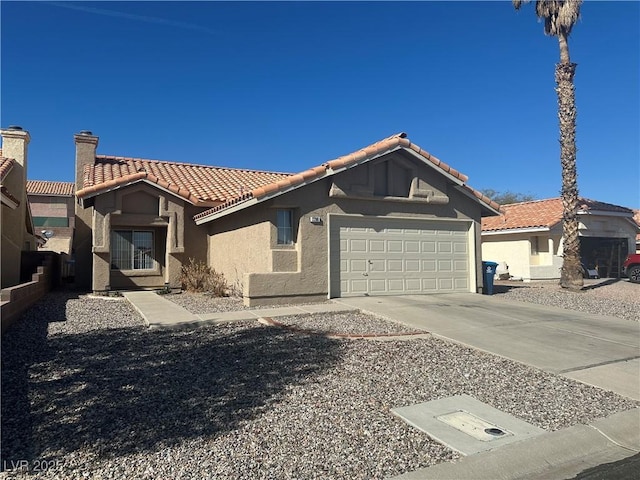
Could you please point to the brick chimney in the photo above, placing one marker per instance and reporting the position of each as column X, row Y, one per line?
column 86, row 144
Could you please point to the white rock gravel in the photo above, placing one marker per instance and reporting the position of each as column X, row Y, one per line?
column 616, row 298
column 100, row 396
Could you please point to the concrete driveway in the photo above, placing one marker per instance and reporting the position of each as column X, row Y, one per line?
column 593, row 349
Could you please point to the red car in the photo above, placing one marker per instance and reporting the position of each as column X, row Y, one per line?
column 631, row 267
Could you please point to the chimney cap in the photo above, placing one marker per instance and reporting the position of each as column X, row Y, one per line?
column 86, row 132
column 15, row 127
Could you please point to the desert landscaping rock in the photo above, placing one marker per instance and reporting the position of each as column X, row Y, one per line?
column 346, row 324
column 617, row 297
column 100, row 396
column 199, row 303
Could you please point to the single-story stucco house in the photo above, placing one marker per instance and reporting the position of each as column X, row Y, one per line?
column 527, row 236
column 387, row 219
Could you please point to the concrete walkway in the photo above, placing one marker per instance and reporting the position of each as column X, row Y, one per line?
column 158, row 312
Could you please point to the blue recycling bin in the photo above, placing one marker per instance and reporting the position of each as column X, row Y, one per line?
column 488, row 272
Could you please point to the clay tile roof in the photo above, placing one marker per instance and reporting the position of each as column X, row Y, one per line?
column 199, row 184
column 374, row 150
column 6, row 164
column 45, row 187
column 541, row 214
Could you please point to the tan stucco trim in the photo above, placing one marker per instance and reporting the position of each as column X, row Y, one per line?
column 516, row 230
column 9, row 202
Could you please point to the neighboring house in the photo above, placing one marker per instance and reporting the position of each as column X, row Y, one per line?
column 53, row 209
column 18, row 234
column 387, row 219
column 528, row 237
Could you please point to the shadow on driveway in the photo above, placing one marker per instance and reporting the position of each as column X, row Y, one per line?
column 127, row 390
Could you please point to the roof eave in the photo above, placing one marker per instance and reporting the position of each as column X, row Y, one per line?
column 9, row 201
column 516, row 230
column 605, row 213
column 100, row 191
column 486, row 207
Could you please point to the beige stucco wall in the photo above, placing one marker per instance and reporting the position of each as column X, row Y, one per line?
column 514, row 249
column 243, row 245
column 11, row 247
column 142, row 206
column 16, row 232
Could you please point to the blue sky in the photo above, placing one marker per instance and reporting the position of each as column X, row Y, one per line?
column 285, row 86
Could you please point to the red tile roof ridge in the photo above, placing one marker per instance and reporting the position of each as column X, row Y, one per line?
column 187, row 164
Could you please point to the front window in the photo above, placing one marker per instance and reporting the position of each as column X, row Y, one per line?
column 285, row 227
column 132, row 250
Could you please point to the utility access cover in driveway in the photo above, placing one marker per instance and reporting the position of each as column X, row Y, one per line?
column 465, row 424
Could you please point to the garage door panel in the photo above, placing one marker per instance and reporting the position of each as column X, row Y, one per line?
column 358, row 287
column 411, row 265
column 377, row 286
column 445, row 284
column 445, row 266
column 386, row 256
column 377, row 265
column 460, row 247
column 377, row 246
column 357, row 266
column 394, row 246
column 445, row 247
column 428, row 247
column 461, row 266
column 429, row 266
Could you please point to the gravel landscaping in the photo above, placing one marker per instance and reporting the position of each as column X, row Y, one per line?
column 89, row 392
column 199, row 303
column 616, row 298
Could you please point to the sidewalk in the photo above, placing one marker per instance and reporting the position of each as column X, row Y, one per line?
column 556, row 455
column 159, row 312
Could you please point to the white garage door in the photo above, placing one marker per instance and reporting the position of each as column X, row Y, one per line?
column 385, row 256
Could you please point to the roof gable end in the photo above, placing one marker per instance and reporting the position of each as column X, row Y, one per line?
column 367, row 154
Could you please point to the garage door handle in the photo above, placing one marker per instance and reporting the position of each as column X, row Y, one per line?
column 365, row 274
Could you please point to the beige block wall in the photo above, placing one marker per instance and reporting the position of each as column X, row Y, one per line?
column 243, row 245
column 514, row 249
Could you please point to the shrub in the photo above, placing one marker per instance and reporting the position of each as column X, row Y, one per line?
column 200, row 277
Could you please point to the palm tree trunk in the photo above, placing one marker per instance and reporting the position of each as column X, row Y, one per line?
column 571, row 273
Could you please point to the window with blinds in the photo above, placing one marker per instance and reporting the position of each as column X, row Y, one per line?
column 132, row 250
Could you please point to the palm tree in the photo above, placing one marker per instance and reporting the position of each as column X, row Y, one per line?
column 559, row 18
